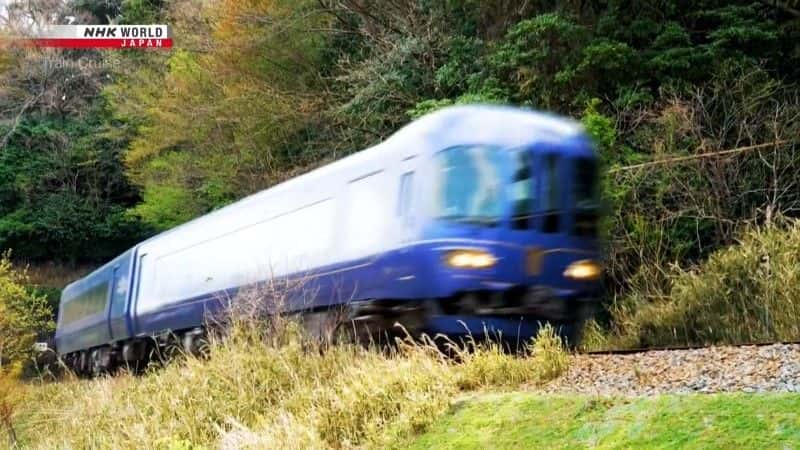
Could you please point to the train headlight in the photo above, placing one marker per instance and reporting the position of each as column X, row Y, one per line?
column 584, row 270
column 470, row 259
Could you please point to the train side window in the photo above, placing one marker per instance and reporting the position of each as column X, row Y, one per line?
column 550, row 192
column 89, row 303
column 523, row 189
column 550, row 195
column 404, row 198
column 584, row 188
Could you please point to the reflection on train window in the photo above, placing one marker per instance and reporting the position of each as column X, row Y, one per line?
column 469, row 184
column 120, row 295
column 523, row 188
column 91, row 302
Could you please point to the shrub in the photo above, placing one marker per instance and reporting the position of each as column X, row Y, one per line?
column 748, row 292
column 250, row 393
column 488, row 365
column 549, row 356
column 24, row 315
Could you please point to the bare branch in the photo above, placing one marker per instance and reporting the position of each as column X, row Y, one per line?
column 702, row 155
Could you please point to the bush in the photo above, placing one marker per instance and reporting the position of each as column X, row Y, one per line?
column 24, row 315
column 746, row 293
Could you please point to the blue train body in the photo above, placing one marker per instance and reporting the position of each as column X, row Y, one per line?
column 483, row 217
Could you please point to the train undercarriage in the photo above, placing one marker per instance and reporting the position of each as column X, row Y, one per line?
column 366, row 322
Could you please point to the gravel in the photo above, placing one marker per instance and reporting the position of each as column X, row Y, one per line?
column 771, row 368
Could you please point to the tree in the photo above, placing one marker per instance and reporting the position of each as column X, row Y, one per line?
column 64, row 194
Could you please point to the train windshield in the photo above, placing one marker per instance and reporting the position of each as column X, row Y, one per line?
column 469, row 185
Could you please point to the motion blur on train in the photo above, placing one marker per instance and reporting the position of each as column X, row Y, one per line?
column 469, row 221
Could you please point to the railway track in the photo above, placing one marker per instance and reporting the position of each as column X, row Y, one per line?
column 749, row 367
column 631, row 351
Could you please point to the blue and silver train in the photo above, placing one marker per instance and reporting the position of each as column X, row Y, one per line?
column 471, row 219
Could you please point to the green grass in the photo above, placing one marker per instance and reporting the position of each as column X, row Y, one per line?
column 526, row 420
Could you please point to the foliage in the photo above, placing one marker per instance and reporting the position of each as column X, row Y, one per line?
column 742, row 294
column 601, row 128
column 64, row 192
column 63, row 189
column 23, row 316
column 678, row 214
column 221, row 123
column 549, row 355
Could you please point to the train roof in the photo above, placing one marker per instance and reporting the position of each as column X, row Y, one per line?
column 488, row 122
column 459, row 124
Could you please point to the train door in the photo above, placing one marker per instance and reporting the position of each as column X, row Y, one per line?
column 535, row 205
column 136, row 292
column 402, row 267
column 367, row 224
column 120, row 287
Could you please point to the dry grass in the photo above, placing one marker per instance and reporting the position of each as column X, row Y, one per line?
column 56, row 276
column 262, row 390
column 11, row 396
column 488, row 366
column 745, row 293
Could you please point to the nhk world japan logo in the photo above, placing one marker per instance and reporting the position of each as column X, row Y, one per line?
column 102, row 36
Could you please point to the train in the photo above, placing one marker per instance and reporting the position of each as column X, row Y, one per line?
column 468, row 221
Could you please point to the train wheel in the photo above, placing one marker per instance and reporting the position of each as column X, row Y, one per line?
column 137, row 366
column 195, row 343
column 364, row 333
column 322, row 327
column 172, row 350
column 346, row 333
column 95, row 366
column 83, row 364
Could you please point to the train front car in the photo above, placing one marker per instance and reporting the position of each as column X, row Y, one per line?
column 472, row 219
column 511, row 236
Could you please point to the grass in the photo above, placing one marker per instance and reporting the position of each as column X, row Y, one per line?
column 749, row 292
column 275, row 390
column 278, row 390
column 56, row 276
column 526, row 420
